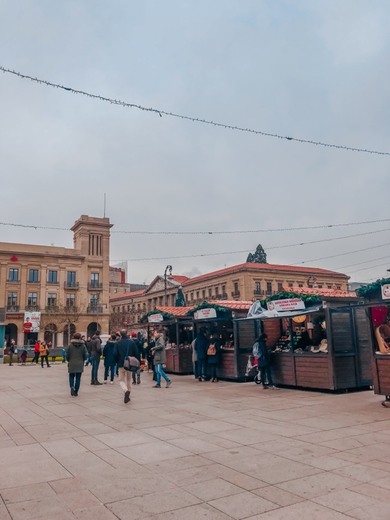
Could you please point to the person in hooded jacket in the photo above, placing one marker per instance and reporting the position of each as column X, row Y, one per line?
column 76, row 355
column 109, row 359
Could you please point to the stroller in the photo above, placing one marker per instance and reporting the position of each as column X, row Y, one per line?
column 252, row 370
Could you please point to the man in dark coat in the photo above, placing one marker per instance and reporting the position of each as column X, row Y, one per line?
column 125, row 347
column 201, row 346
column 96, row 352
column 264, row 362
column 109, row 360
column 76, row 355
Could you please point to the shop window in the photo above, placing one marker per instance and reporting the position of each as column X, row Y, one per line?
column 13, row 274
column 94, row 283
column 52, row 300
column 52, row 277
column 32, row 299
column 70, row 300
column 12, row 299
column 33, row 276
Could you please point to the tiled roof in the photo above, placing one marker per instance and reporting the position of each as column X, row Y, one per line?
column 126, row 296
column 235, row 305
column 249, row 266
column 330, row 293
column 178, row 278
column 174, row 311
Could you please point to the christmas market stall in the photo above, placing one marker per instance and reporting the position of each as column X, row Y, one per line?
column 319, row 338
column 179, row 335
column 218, row 316
column 377, row 299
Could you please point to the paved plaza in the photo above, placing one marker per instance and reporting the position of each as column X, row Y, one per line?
column 195, row 451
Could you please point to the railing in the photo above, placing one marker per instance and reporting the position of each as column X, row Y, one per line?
column 12, row 308
column 236, row 294
column 51, row 308
column 93, row 286
column 95, row 309
column 32, row 308
column 53, row 282
column 71, row 285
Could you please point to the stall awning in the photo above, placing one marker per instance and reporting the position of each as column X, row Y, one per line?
column 264, row 314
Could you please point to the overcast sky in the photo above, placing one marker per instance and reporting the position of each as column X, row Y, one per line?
column 310, row 69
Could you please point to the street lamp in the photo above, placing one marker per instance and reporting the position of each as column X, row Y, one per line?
column 168, row 268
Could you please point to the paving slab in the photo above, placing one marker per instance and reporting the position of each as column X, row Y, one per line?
column 216, row 452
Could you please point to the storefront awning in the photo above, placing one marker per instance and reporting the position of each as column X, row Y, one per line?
column 258, row 312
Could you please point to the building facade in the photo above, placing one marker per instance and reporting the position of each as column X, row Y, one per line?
column 62, row 290
column 242, row 282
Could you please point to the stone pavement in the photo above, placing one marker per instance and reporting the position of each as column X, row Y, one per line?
column 194, row 451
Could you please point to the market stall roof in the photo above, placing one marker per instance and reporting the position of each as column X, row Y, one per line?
column 323, row 293
column 174, row 311
column 234, row 305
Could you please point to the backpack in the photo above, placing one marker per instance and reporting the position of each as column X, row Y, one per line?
column 212, row 350
column 255, row 350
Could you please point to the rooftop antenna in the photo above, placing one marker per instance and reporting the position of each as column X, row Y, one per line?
column 104, row 206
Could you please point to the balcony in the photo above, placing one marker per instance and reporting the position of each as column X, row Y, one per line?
column 95, row 286
column 222, row 296
column 235, row 294
column 32, row 308
column 52, row 309
column 53, row 282
column 12, row 308
column 71, row 285
column 95, row 309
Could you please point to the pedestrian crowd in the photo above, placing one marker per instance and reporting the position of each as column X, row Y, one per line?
column 124, row 354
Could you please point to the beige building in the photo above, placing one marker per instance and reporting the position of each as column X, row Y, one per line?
column 66, row 290
column 242, row 282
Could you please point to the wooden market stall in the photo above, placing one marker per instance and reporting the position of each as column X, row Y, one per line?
column 323, row 345
column 377, row 302
column 179, row 334
column 219, row 316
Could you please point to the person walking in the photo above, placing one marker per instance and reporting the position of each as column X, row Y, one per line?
column 264, row 362
column 160, row 358
column 201, row 346
column 37, row 348
column 213, row 354
column 136, row 376
column 96, row 352
column 44, row 353
column 123, row 348
column 88, row 344
column 109, row 359
column 76, row 355
column 11, row 352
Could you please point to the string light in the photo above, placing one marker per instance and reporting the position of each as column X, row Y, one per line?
column 190, row 118
column 237, row 232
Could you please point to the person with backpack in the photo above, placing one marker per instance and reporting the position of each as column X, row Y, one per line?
column 213, row 352
column 261, row 353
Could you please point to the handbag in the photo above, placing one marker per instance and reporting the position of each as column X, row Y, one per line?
column 130, row 363
column 212, row 350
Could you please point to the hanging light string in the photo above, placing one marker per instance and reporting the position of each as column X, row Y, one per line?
column 237, row 232
column 190, row 118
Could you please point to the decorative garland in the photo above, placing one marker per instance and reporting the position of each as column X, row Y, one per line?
column 308, row 299
column 372, row 290
column 165, row 315
column 221, row 310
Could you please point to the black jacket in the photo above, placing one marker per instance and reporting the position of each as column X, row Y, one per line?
column 124, row 347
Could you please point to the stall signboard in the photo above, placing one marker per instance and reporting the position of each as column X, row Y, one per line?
column 385, row 290
column 290, row 304
column 204, row 314
column 32, row 322
column 155, row 318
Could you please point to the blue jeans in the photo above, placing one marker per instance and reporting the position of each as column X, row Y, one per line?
column 109, row 369
column 160, row 373
column 95, row 367
column 74, row 380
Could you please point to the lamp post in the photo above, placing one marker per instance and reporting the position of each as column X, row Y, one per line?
column 168, row 268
